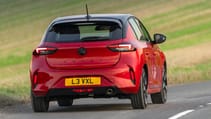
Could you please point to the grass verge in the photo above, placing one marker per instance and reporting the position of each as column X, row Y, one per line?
column 197, row 73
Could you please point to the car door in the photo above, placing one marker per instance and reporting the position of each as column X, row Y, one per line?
column 154, row 57
column 147, row 50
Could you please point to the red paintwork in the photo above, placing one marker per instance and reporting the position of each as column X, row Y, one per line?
column 113, row 67
column 98, row 55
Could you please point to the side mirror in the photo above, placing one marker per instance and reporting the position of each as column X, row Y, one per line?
column 159, row 38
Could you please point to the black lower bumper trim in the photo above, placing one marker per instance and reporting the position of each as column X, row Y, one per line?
column 100, row 92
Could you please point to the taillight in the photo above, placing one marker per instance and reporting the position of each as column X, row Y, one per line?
column 44, row 51
column 35, row 79
column 122, row 47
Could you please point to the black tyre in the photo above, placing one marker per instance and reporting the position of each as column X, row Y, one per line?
column 161, row 97
column 65, row 102
column 39, row 104
column 139, row 100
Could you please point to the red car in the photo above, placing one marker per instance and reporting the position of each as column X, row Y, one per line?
column 99, row 56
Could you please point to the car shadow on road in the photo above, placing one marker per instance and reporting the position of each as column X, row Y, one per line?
column 92, row 107
column 25, row 108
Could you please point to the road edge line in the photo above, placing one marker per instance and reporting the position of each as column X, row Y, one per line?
column 181, row 114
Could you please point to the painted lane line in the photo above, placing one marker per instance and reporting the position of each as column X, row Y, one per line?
column 209, row 103
column 201, row 106
column 177, row 116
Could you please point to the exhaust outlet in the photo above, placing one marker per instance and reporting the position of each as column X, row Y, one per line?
column 110, row 91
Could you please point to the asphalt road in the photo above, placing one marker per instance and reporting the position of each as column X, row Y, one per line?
column 191, row 101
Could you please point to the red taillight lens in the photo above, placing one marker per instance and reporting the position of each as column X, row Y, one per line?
column 83, row 90
column 35, row 79
column 122, row 47
column 44, row 51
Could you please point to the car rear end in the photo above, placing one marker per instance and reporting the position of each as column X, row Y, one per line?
column 84, row 58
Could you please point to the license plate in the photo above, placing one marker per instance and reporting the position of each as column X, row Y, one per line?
column 82, row 81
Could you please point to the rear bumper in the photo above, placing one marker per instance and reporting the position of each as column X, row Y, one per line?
column 119, row 78
column 122, row 76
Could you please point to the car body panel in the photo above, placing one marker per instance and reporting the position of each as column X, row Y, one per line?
column 97, row 55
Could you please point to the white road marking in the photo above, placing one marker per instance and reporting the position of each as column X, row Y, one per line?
column 209, row 103
column 201, row 106
column 177, row 116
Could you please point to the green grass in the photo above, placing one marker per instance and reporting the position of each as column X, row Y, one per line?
column 186, row 24
column 178, row 13
column 189, row 30
column 14, row 60
column 189, row 74
column 189, row 39
column 15, row 84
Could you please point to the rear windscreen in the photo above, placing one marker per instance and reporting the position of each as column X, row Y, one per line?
column 84, row 31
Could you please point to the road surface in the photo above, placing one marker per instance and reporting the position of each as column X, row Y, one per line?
column 190, row 101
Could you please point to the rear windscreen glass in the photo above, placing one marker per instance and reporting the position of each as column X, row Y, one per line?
column 84, row 31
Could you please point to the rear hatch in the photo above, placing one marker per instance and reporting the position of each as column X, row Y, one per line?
column 83, row 45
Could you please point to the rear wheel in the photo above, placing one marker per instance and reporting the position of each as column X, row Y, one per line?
column 139, row 100
column 65, row 102
column 161, row 97
column 39, row 104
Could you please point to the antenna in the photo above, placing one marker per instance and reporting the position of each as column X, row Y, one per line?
column 87, row 12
